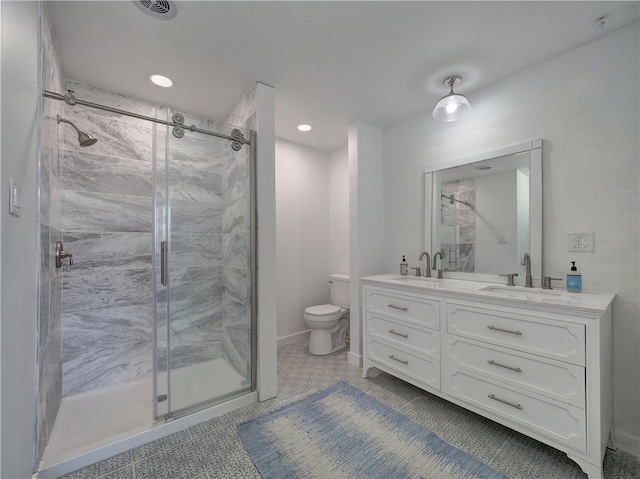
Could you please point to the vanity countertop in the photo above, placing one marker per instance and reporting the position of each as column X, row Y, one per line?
column 585, row 301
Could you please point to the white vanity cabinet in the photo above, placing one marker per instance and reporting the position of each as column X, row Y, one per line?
column 529, row 368
column 402, row 335
column 539, row 365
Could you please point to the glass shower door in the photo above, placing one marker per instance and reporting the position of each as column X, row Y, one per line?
column 203, row 250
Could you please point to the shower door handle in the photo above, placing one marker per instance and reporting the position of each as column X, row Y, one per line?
column 164, row 251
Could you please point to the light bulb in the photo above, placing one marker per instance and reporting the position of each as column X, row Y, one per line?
column 451, row 107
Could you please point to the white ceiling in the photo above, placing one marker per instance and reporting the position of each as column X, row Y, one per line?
column 330, row 62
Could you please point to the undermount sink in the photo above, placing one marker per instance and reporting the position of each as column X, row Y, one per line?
column 520, row 292
column 412, row 278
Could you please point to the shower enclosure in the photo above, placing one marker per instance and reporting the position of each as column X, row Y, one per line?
column 158, row 317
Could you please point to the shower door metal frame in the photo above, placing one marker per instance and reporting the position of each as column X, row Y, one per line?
column 253, row 265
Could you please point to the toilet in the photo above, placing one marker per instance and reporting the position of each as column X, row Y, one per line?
column 329, row 323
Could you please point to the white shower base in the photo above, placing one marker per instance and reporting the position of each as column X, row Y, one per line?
column 88, row 421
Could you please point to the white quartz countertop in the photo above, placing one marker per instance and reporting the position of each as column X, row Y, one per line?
column 585, row 301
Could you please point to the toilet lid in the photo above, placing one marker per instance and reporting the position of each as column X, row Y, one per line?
column 323, row 310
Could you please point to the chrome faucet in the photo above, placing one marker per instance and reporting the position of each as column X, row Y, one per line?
column 435, row 258
column 526, row 262
column 427, row 270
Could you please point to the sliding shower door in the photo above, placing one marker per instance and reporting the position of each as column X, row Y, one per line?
column 204, row 347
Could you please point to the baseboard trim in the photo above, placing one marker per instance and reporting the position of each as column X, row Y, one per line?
column 354, row 359
column 627, row 443
column 294, row 338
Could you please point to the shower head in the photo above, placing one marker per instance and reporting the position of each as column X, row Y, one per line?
column 85, row 139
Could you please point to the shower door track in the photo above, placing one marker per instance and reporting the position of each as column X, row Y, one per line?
column 236, row 137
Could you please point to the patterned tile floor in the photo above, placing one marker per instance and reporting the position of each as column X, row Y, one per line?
column 213, row 449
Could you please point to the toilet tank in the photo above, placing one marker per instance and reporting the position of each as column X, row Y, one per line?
column 339, row 286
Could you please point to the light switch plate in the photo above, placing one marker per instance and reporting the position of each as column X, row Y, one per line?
column 14, row 198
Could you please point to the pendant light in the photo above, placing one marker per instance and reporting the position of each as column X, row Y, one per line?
column 453, row 106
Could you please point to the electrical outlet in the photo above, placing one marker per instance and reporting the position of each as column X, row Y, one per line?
column 581, row 242
column 574, row 242
column 586, row 242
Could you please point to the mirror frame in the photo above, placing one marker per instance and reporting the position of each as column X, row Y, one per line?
column 534, row 147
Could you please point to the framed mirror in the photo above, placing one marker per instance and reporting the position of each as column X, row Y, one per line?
column 484, row 212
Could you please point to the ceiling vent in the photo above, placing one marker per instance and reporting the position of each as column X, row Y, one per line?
column 158, row 9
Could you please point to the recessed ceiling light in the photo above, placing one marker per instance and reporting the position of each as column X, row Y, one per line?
column 161, row 80
column 304, row 127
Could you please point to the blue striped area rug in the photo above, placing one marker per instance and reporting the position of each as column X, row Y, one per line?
column 343, row 433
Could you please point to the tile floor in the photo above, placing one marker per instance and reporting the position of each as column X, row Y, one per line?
column 213, row 449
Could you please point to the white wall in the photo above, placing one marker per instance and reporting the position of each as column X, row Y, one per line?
column 523, row 208
column 366, row 220
column 495, row 210
column 302, row 231
column 339, row 211
column 265, row 99
column 312, row 220
column 585, row 105
column 19, row 101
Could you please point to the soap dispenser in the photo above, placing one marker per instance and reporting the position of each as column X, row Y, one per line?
column 404, row 267
column 574, row 279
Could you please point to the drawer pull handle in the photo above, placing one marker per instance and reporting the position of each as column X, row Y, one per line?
column 398, row 334
column 391, row 356
column 491, row 361
column 495, row 328
column 403, row 308
column 503, row 401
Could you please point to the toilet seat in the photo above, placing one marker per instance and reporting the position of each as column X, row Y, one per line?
column 323, row 310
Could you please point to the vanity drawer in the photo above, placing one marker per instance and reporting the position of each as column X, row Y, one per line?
column 557, row 380
column 559, row 340
column 411, row 308
column 561, row 422
column 418, row 339
column 410, row 364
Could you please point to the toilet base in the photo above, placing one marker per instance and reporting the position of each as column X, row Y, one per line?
column 323, row 342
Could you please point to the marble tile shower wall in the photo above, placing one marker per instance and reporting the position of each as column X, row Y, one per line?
column 50, row 284
column 458, row 226
column 195, row 260
column 107, row 225
column 236, row 244
column 236, row 281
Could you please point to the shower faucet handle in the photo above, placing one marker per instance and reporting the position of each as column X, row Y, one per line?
column 61, row 254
